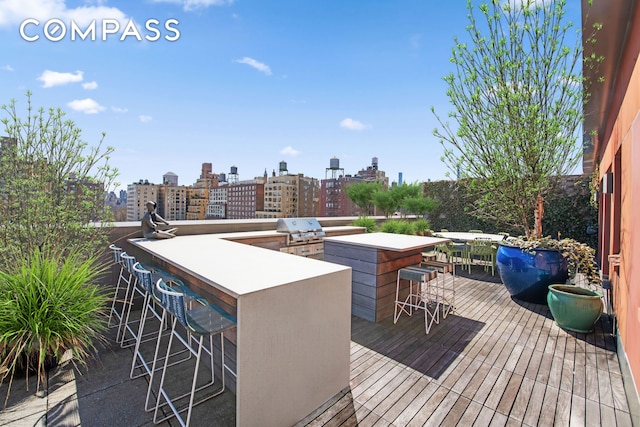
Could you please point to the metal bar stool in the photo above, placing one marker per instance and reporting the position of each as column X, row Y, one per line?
column 423, row 297
column 128, row 281
column 135, row 291
column 206, row 320
column 114, row 313
column 155, row 303
column 151, row 309
column 446, row 284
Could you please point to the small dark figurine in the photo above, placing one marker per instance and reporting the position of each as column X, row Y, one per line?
column 150, row 222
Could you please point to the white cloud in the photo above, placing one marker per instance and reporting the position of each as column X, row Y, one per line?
column 13, row 12
column 196, row 4
column 119, row 110
column 144, row 118
column 53, row 78
column 90, row 85
column 87, row 106
column 351, row 124
column 255, row 64
column 7, row 68
column 289, row 151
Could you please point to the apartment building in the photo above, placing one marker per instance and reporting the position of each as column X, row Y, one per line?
column 217, row 206
column 333, row 196
column 290, row 196
column 172, row 202
column 245, row 198
column 137, row 195
column 198, row 193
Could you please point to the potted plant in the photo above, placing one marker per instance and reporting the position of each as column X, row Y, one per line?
column 574, row 308
column 49, row 305
column 527, row 267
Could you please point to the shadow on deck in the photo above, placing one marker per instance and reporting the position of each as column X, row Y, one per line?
column 494, row 361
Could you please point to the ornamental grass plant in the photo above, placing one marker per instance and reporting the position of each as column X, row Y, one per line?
column 368, row 223
column 398, row 227
column 49, row 305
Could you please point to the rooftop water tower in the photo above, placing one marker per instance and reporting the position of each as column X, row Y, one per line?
column 334, row 167
column 233, row 175
column 283, row 168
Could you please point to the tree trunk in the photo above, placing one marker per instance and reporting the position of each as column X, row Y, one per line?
column 538, row 214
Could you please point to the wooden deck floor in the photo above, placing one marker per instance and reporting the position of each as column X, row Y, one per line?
column 494, row 362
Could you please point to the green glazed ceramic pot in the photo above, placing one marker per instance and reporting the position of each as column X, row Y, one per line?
column 574, row 308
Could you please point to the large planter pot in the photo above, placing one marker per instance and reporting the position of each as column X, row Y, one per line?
column 574, row 308
column 528, row 274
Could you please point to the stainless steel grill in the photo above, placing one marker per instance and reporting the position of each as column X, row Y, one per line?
column 304, row 236
column 300, row 230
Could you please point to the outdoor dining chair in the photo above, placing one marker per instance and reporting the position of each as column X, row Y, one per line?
column 484, row 250
column 453, row 251
column 204, row 321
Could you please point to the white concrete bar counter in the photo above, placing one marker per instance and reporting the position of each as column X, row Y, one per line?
column 294, row 321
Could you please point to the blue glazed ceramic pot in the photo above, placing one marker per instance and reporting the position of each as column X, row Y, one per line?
column 527, row 275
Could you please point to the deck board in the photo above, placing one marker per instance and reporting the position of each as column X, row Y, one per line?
column 494, row 361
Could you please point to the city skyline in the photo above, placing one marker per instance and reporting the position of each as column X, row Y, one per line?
column 158, row 178
column 244, row 83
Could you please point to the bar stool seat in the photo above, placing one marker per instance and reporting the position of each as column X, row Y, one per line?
column 422, row 295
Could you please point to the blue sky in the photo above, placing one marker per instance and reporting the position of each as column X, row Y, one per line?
column 247, row 83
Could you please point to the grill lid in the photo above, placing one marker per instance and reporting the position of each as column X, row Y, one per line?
column 300, row 229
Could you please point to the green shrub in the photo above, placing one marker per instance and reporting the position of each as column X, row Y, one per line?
column 48, row 306
column 422, row 227
column 398, row 227
column 366, row 222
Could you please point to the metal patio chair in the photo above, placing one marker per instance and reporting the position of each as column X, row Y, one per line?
column 485, row 251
